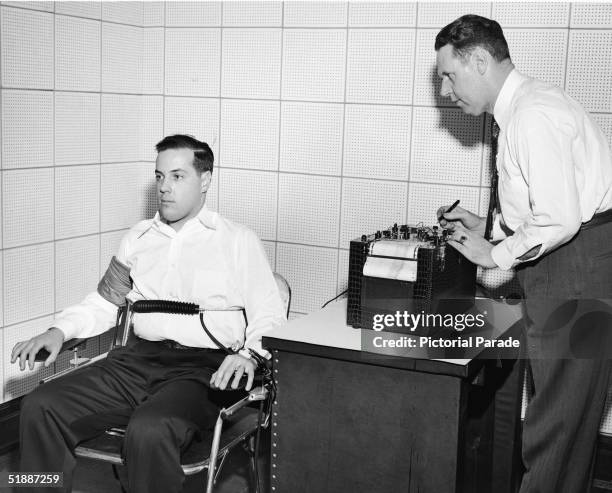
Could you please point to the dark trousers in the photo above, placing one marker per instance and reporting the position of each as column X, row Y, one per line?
column 569, row 320
column 161, row 394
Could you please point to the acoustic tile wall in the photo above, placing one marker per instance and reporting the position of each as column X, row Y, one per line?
column 324, row 118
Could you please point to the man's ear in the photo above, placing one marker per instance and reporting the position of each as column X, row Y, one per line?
column 205, row 180
column 481, row 59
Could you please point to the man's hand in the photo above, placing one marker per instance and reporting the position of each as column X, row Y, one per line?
column 234, row 365
column 460, row 217
column 51, row 340
column 472, row 246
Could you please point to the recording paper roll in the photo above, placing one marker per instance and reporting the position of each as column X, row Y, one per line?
column 396, row 248
column 390, row 268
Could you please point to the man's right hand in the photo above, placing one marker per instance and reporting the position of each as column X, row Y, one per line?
column 51, row 340
column 459, row 217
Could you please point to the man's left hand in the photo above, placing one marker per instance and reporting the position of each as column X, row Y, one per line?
column 473, row 247
column 234, row 365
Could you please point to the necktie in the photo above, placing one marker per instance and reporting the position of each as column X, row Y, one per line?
column 493, row 199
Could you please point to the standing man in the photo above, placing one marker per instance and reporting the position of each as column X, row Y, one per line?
column 554, row 219
column 164, row 386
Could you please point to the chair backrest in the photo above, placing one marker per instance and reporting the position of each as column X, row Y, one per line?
column 284, row 290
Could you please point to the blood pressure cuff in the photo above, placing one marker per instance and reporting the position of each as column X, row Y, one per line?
column 116, row 283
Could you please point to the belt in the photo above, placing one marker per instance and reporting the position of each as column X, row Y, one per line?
column 176, row 345
column 598, row 219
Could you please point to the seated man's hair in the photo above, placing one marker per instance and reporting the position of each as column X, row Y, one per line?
column 470, row 31
column 203, row 157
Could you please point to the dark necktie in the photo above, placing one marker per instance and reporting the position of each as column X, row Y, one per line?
column 493, row 198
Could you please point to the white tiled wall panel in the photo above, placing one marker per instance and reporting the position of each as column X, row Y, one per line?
column 153, row 61
column 439, row 14
column 456, row 156
column 77, row 269
column 77, row 54
column 315, row 14
column 45, row 6
column 382, row 14
column 268, row 14
column 16, row 382
column 379, row 66
column 77, row 201
column 212, row 196
column 28, row 283
column 109, row 247
column 128, row 194
column 426, row 80
column 27, row 206
column 308, row 209
column 249, row 134
column 311, row 137
column 250, row 198
column 251, row 63
column 1, row 290
column 314, row 64
column 377, row 141
column 540, row 54
column 194, row 116
column 270, row 248
column 121, row 58
column 153, row 14
column 343, row 264
column 151, row 127
column 531, row 14
column 605, row 122
column 27, row 129
column 424, row 200
column 77, row 128
column 120, row 128
column 193, row 14
column 92, row 10
column 27, row 49
column 193, row 58
column 589, row 74
column 123, row 12
column 370, row 205
column 591, row 14
column 311, row 273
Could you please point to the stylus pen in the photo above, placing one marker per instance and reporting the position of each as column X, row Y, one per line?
column 455, row 204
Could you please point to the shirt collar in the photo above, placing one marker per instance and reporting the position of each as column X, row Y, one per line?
column 503, row 103
column 206, row 217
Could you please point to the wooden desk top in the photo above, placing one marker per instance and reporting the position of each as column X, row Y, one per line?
column 325, row 333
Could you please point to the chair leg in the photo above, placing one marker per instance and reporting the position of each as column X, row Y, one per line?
column 116, row 474
column 254, row 477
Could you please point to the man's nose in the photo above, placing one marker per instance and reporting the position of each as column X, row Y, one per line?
column 164, row 185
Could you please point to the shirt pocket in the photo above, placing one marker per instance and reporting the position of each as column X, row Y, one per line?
column 212, row 289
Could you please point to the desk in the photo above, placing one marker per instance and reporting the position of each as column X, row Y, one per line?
column 348, row 420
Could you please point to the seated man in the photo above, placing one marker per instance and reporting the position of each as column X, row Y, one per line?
column 165, row 385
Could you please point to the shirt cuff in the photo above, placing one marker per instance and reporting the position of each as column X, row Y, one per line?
column 67, row 327
column 502, row 256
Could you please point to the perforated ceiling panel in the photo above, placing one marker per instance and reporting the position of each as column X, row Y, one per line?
column 27, row 129
column 252, row 13
column 591, row 14
column 311, row 138
column 446, row 146
column 424, row 200
column 77, row 208
column 531, row 14
column 120, row 128
column 382, row 14
column 315, row 14
column 27, row 49
column 379, row 66
column 93, row 10
column 308, row 209
column 439, row 14
column 370, row 205
column 539, row 53
column 193, row 58
column 121, row 58
column 249, row 134
column 426, row 81
column 77, row 128
column 27, row 206
column 377, row 141
column 311, row 273
column 77, row 54
column 194, row 116
column 313, row 64
column 193, row 14
column 76, row 269
column 589, row 75
column 151, row 130
column 28, row 283
column 153, row 61
column 249, row 198
column 251, row 63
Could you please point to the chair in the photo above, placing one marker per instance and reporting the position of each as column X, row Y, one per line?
column 235, row 425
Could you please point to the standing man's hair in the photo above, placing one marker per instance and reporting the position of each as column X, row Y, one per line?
column 203, row 157
column 470, row 31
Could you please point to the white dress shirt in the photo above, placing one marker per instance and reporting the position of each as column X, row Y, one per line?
column 554, row 165
column 211, row 261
